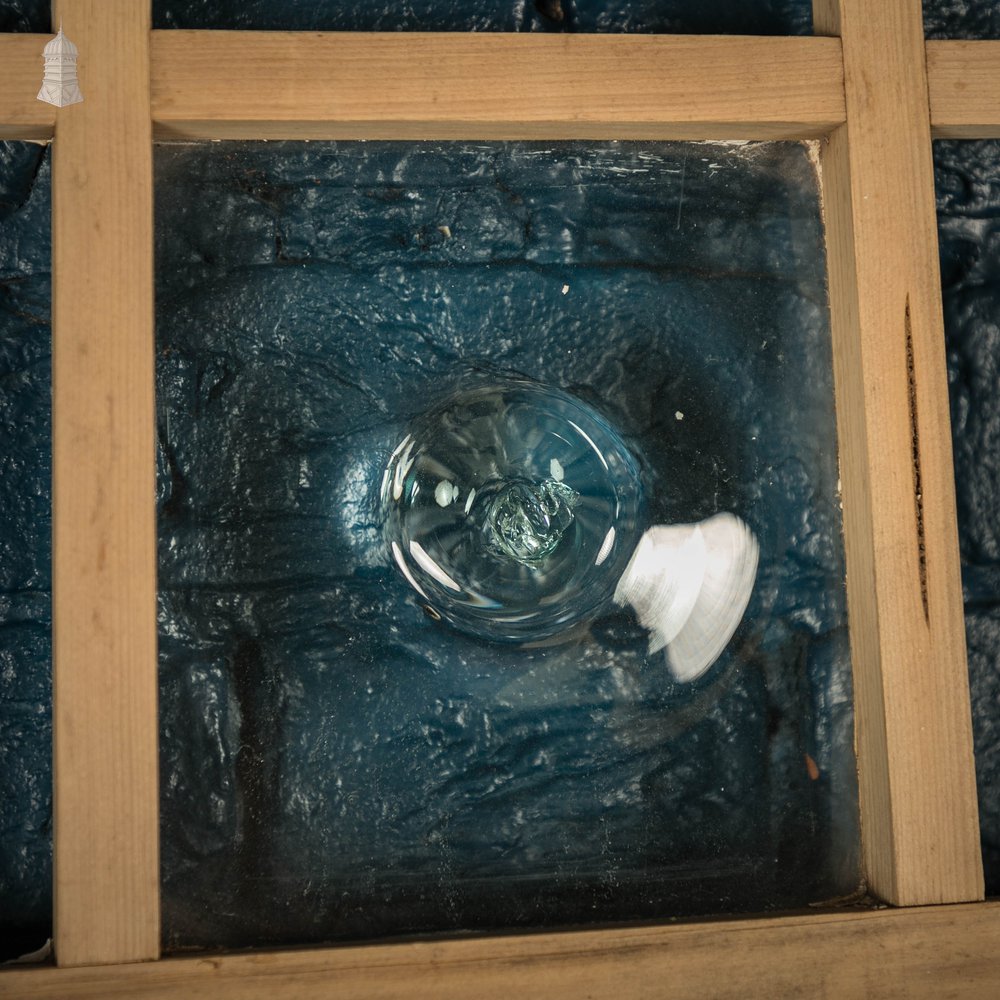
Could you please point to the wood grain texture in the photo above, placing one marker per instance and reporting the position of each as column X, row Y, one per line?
column 208, row 84
column 919, row 816
column 22, row 115
column 104, row 553
column 964, row 87
column 919, row 954
column 963, row 78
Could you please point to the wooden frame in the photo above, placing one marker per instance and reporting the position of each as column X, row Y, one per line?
column 875, row 92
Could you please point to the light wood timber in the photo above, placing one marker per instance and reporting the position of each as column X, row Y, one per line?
column 22, row 115
column 396, row 85
column 106, row 869
column 964, row 87
column 963, row 80
column 919, row 816
column 919, row 954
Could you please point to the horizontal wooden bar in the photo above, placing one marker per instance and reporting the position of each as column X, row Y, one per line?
column 240, row 85
column 917, row 784
column 963, row 82
column 917, row 954
column 106, row 768
column 964, row 87
column 22, row 115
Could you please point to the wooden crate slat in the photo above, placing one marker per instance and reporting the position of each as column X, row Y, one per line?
column 22, row 116
column 104, row 536
column 964, row 86
column 919, row 954
column 394, row 85
column 919, row 814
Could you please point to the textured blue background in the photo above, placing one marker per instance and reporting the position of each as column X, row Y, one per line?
column 968, row 188
column 967, row 199
column 757, row 17
column 942, row 18
column 25, row 579
column 331, row 755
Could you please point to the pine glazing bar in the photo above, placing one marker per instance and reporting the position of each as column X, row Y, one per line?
column 21, row 115
column 963, row 84
column 409, row 85
column 104, row 535
column 964, row 80
column 919, row 816
column 917, row 954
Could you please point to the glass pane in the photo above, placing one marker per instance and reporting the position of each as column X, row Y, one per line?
column 751, row 17
column 25, row 571
column 961, row 19
column 336, row 761
column 25, row 15
column 968, row 190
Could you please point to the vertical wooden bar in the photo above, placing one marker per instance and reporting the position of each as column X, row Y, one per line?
column 917, row 781
column 104, row 542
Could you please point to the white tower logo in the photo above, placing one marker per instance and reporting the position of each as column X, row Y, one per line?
column 59, row 85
